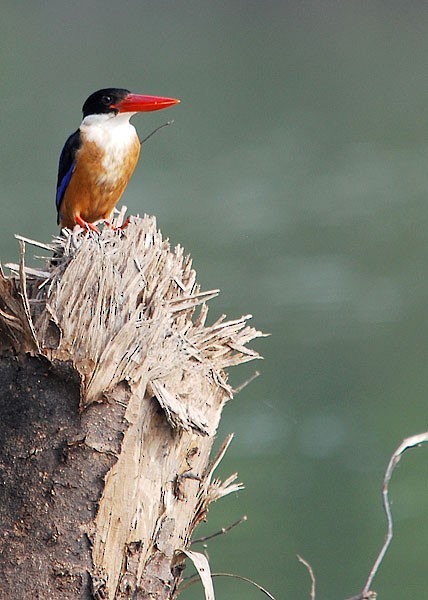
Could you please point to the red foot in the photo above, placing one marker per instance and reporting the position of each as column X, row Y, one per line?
column 127, row 222
column 121, row 228
column 88, row 226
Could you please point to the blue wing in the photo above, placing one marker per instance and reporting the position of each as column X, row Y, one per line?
column 67, row 163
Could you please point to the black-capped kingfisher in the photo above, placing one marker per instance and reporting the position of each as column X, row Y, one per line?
column 99, row 158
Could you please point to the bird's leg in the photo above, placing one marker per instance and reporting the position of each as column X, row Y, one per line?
column 120, row 228
column 125, row 224
column 88, row 226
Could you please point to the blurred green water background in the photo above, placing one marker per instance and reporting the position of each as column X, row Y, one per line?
column 296, row 174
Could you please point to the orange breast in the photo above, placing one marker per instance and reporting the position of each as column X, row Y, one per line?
column 97, row 183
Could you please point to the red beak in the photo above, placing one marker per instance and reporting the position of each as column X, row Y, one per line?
column 139, row 103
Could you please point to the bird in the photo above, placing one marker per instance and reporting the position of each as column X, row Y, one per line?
column 97, row 160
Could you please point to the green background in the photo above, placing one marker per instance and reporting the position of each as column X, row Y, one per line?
column 296, row 174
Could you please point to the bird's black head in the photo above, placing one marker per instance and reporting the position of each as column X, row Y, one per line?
column 104, row 101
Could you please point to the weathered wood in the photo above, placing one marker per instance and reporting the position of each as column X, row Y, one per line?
column 106, row 468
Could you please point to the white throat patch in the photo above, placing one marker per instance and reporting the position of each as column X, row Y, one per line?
column 114, row 135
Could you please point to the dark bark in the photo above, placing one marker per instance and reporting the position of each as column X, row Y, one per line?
column 51, row 478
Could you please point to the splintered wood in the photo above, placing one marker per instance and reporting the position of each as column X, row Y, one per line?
column 127, row 312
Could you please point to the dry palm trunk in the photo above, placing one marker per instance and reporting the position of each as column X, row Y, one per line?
column 112, row 387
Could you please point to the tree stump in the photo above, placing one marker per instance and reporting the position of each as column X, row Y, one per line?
column 112, row 387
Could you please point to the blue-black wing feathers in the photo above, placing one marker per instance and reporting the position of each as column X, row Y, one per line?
column 67, row 163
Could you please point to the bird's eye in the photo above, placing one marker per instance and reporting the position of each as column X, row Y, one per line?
column 107, row 100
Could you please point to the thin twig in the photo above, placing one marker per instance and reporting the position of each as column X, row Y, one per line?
column 364, row 596
column 155, row 130
column 222, row 531
column 311, row 575
column 24, row 296
column 28, row 270
column 407, row 443
column 195, row 578
column 34, row 242
column 246, row 382
column 222, row 451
